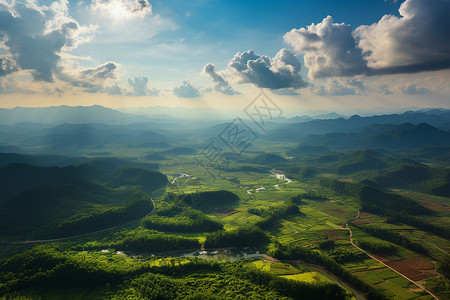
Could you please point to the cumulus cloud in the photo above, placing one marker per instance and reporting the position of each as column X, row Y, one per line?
column 92, row 80
column 113, row 90
column 139, row 85
column 279, row 72
column 35, row 35
column 340, row 87
column 413, row 89
column 7, row 65
column 142, row 6
column 285, row 92
column 418, row 40
column 221, row 85
column 121, row 8
column 186, row 90
column 329, row 49
column 101, row 72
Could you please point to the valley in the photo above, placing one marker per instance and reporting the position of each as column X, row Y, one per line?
column 366, row 223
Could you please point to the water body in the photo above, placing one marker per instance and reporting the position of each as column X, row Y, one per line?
column 220, row 255
column 224, row 255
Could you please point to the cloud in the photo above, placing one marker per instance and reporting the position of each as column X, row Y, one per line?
column 93, row 80
column 139, row 85
column 35, row 36
column 280, row 72
column 413, row 89
column 419, row 40
column 114, row 90
column 142, row 6
column 221, row 85
column 7, row 65
column 122, row 9
column 329, row 49
column 340, row 87
column 101, row 72
column 285, row 92
column 186, row 90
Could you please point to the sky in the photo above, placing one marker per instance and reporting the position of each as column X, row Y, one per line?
column 305, row 55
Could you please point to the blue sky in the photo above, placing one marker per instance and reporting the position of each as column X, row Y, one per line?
column 307, row 54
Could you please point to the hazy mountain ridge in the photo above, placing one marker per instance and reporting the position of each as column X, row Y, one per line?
column 68, row 114
column 356, row 123
column 403, row 136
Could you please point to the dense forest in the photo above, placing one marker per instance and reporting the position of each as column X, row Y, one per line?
column 173, row 218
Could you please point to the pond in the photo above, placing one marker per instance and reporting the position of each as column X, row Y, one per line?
column 220, row 255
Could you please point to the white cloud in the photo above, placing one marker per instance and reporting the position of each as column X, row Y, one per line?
column 413, row 89
column 35, row 35
column 186, row 90
column 339, row 87
column 7, row 65
column 93, row 80
column 139, row 85
column 221, row 85
column 418, row 40
column 329, row 49
column 279, row 72
column 121, row 9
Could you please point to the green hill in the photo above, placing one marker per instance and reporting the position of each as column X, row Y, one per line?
column 43, row 202
column 17, row 178
column 206, row 200
column 422, row 178
column 180, row 151
column 147, row 180
column 358, row 161
column 268, row 158
column 361, row 161
column 68, row 209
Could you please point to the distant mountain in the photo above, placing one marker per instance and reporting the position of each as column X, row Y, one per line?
column 299, row 119
column 382, row 136
column 332, row 115
column 292, row 132
column 434, row 111
column 358, row 161
column 68, row 114
column 39, row 160
column 70, row 138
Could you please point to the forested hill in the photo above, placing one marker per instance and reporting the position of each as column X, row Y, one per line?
column 49, row 202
